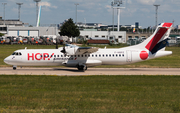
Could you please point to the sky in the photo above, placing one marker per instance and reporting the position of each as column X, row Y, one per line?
column 94, row 11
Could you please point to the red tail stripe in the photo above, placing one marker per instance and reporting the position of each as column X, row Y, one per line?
column 167, row 25
column 156, row 38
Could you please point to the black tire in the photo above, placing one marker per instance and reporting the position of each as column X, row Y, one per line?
column 81, row 68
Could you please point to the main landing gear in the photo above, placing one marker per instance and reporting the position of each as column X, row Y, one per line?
column 82, row 67
column 14, row 67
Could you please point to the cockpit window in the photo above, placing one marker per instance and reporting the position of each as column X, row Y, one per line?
column 14, row 53
column 17, row 53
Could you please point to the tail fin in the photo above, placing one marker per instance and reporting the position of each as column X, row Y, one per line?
column 158, row 40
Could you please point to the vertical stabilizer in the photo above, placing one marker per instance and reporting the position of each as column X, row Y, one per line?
column 158, row 40
column 39, row 17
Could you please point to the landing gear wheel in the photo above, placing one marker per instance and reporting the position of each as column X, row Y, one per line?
column 14, row 67
column 82, row 68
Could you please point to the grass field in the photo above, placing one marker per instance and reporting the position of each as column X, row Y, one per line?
column 84, row 94
column 171, row 61
column 97, row 94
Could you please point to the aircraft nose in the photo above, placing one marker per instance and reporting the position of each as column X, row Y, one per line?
column 6, row 60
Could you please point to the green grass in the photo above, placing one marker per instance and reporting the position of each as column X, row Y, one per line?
column 98, row 94
column 171, row 61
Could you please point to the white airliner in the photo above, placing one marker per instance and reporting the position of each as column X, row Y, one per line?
column 83, row 57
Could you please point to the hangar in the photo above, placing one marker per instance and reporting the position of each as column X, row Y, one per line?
column 27, row 31
column 119, row 36
column 31, row 31
column 18, row 28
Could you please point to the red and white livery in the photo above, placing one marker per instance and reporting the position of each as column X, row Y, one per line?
column 83, row 57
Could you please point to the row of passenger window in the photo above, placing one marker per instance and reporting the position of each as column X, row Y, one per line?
column 93, row 55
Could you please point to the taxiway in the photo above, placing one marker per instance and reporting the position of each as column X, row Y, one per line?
column 90, row 71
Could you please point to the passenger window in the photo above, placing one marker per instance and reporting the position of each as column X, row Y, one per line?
column 120, row 55
column 113, row 55
column 81, row 55
column 99, row 55
column 116, row 55
column 74, row 55
column 88, row 55
column 20, row 53
column 85, row 55
column 57, row 55
column 92, row 55
column 16, row 53
column 96, row 55
column 103, row 55
column 54, row 55
column 110, row 55
column 123, row 55
column 61, row 55
column 78, row 55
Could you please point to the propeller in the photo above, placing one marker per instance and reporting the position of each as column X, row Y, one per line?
column 64, row 49
column 56, row 43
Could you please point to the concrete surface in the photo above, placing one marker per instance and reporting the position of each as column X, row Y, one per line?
column 91, row 71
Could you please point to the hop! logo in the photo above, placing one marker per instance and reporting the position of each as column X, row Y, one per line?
column 40, row 56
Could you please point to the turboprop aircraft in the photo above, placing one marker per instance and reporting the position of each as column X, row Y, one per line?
column 84, row 57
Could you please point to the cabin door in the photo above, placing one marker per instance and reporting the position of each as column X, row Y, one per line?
column 128, row 56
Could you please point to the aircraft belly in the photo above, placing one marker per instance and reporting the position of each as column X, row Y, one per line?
column 113, row 61
column 88, row 62
column 36, row 63
column 93, row 62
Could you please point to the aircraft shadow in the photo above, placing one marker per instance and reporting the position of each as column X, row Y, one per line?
column 64, row 69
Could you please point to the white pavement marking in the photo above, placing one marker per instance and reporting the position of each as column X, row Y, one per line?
column 90, row 71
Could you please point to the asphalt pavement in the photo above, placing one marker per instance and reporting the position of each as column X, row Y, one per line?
column 65, row 71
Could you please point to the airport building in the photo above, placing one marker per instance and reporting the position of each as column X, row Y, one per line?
column 17, row 28
column 89, row 30
column 31, row 31
column 12, row 22
column 27, row 31
column 120, row 36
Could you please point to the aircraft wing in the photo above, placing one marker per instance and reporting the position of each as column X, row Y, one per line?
column 86, row 50
column 74, row 50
